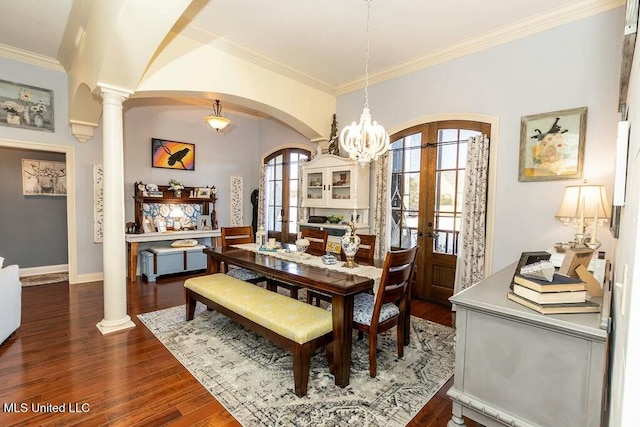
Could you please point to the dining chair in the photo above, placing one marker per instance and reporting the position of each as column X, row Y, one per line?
column 375, row 314
column 364, row 254
column 366, row 250
column 235, row 236
column 317, row 240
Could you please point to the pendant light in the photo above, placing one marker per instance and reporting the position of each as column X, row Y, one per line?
column 216, row 120
column 367, row 140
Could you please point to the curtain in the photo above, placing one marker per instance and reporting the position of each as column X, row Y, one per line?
column 302, row 212
column 262, row 199
column 381, row 208
column 471, row 244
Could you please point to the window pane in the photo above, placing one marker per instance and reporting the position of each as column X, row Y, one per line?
column 445, row 190
column 462, row 155
column 395, row 228
column 465, row 134
column 278, row 172
column 293, row 170
column 396, row 201
column 293, row 219
column 396, row 145
column 277, row 192
column 412, row 160
column 411, row 190
column 460, row 198
column 414, row 140
column 396, row 160
column 447, row 135
column 447, row 156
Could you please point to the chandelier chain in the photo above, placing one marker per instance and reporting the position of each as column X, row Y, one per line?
column 366, row 61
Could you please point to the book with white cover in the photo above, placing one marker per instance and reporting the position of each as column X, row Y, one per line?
column 550, row 297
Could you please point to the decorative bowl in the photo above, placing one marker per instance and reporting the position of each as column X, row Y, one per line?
column 334, row 219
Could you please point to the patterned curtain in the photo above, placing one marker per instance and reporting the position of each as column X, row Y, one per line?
column 381, row 208
column 302, row 212
column 471, row 249
column 262, row 199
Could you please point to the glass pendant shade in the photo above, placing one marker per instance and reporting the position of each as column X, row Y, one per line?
column 215, row 120
column 364, row 141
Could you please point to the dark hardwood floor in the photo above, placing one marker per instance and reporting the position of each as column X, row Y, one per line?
column 58, row 357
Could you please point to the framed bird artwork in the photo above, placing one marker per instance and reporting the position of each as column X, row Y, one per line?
column 173, row 154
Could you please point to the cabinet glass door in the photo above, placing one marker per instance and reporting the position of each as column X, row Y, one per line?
column 341, row 184
column 315, row 185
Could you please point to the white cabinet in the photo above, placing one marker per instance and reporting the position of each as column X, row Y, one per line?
column 335, row 182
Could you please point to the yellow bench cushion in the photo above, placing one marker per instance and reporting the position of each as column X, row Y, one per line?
column 290, row 318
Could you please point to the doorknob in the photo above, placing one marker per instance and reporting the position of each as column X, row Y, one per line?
column 432, row 235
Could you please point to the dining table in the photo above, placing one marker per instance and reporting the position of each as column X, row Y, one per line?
column 294, row 269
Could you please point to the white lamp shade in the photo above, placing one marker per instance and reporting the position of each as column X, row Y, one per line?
column 592, row 195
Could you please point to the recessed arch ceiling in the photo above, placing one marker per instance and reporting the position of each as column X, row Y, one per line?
column 318, row 40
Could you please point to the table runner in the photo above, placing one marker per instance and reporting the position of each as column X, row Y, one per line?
column 361, row 270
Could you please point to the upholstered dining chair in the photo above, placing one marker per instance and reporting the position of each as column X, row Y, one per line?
column 317, row 240
column 235, row 236
column 365, row 254
column 374, row 314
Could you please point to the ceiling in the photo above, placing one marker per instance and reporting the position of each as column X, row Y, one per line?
column 324, row 41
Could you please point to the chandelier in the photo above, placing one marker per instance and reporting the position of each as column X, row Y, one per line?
column 216, row 120
column 367, row 140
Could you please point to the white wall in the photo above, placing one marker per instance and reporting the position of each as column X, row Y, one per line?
column 626, row 302
column 571, row 66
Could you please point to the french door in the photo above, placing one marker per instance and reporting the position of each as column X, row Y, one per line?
column 427, row 180
column 281, row 193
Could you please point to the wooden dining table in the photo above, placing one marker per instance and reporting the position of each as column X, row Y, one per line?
column 341, row 286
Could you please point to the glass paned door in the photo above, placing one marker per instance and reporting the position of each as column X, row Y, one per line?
column 427, row 181
column 282, row 190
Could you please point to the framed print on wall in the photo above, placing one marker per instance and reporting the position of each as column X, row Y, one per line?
column 44, row 178
column 173, row 154
column 552, row 145
column 25, row 106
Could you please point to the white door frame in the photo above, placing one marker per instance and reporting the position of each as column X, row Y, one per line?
column 69, row 153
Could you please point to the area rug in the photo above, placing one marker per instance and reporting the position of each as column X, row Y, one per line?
column 44, row 279
column 253, row 378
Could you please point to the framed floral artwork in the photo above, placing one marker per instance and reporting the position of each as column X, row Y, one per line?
column 552, row 145
column 25, row 106
column 173, row 154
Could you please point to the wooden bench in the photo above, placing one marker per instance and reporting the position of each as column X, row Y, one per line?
column 294, row 325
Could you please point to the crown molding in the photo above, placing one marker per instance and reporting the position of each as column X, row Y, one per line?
column 518, row 30
column 202, row 35
column 30, row 58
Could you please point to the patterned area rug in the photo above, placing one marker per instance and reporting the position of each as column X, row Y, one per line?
column 44, row 279
column 253, row 378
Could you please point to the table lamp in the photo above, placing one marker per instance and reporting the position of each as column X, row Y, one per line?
column 584, row 207
column 176, row 214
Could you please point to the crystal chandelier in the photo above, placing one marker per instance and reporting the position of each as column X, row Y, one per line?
column 367, row 140
column 216, row 120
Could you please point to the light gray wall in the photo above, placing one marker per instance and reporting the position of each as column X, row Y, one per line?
column 570, row 66
column 90, row 254
column 33, row 229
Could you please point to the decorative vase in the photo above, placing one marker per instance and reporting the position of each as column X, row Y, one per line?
column 177, row 193
column 13, row 119
column 350, row 244
column 38, row 120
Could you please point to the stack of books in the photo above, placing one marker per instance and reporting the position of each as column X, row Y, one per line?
column 560, row 295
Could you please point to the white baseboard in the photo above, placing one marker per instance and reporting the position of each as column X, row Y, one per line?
column 45, row 269
column 84, row 278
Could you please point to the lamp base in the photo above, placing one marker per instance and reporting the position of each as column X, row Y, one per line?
column 350, row 262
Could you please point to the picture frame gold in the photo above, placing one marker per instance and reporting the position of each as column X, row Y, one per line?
column 552, row 145
column 203, row 193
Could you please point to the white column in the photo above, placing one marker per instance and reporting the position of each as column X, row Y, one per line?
column 114, row 247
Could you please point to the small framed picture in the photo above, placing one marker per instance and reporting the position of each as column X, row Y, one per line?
column 204, row 222
column 147, row 225
column 552, row 145
column 574, row 258
column 203, row 193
